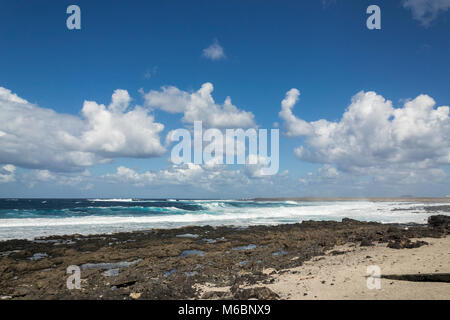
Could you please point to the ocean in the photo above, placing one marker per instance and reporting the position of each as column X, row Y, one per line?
column 31, row 218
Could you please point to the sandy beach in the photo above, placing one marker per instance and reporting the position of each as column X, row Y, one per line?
column 345, row 276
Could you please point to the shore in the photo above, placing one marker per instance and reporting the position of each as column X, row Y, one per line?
column 373, row 199
column 345, row 276
column 308, row 260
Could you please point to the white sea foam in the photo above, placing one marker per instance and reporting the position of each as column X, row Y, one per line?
column 219, row 212
column 112, row 200
column 124, row 200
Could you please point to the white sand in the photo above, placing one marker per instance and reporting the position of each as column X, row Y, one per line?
column 345, row 275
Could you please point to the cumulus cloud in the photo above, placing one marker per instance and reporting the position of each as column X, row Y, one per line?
column 214, row 51
column 201, row 176
column 210, row 176
column 396, row 180
column 200, row 106
column 40, row 138
column 328, row 172
column 293, row 126
column 170, row 99
column 114, row 132
column 177, row 174
column 7, row 173
column 374, row 138
column 82, row 180
column 257, row 166
column 426, row 11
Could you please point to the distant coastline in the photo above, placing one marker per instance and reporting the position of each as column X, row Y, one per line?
column 374, row 199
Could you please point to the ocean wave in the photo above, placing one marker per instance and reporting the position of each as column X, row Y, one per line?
column 112, row 200
column 362, row 211
column 170, row 214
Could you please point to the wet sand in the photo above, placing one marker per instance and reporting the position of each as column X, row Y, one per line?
column 225, row 262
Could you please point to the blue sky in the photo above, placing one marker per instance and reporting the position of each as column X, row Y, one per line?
column 322, row 48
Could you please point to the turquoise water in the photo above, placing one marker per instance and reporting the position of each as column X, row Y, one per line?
column 30, row 218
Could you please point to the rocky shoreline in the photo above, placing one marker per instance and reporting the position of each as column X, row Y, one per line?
column 172, row 264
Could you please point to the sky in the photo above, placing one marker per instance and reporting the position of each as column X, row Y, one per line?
column 88, row 113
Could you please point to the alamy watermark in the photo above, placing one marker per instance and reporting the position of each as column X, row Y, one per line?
column 373, row 280
column 73, row 21
column 74, row 280
column 229, row 146
column 373, row 22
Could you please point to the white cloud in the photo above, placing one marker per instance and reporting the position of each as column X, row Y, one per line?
column 187, row 174
column 169, row 99
column 79, row 179
column 255, row 166
column 200, row 106
column 426, row 11
column 293, row 126
column 210, row 176
column 395, row 180
column 175, row 175
column 408, row 174
column 7, row 173
column 374, row 138
column 120, row 101
column 328, row 172
column 39, row 138
column 44, row 175
column 113, row 132
column 214, row 51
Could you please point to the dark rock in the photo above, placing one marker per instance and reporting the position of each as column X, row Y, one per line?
column 439, row 221
column 366, row 243
column 350, row 221
column 392, row 229
column 259, row 293
column 416, row 244
column 214, row 295
column 337, row 252
column 406, row 243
